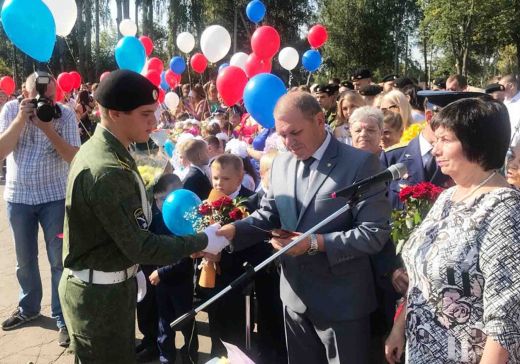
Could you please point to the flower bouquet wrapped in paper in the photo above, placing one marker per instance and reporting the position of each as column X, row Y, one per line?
column 221, row 209
column 418, row 200
column 150, row 166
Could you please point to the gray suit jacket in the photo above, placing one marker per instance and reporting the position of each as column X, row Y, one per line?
column 335, row 285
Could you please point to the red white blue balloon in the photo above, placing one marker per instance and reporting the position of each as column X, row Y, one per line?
column 311, row 60
column 255, row 11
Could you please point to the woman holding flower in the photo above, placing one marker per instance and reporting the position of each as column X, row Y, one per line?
column 463, row 261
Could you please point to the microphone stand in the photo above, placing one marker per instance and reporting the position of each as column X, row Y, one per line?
column 251, row 271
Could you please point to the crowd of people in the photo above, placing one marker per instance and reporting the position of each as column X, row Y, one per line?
column 340, row 295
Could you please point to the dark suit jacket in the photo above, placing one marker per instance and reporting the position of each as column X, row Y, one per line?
column 335, row 285
column 198, row 182
column 411, row 157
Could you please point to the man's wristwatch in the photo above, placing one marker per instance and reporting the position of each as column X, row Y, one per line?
column 313, row 249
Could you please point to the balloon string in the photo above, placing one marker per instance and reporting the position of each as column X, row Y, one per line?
column 71, row 53
column 189, row 73
column 290, row 78
column 308, row 79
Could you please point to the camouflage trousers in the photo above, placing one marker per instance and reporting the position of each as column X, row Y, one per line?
column 100, row 320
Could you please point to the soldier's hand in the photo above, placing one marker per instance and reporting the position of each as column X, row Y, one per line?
column 215, row 242
column 154, row 278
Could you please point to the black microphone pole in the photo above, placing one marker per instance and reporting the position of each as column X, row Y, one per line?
column 250, row 271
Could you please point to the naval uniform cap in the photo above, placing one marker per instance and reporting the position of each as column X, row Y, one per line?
column 360, row 74
column 440, row 99
column 125, row 90
column 389, row 78
column 494, row 87
column 370, row 90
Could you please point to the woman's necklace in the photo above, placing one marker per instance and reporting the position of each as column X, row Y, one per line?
column 486, row 180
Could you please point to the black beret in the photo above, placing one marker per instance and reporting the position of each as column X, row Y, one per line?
column 440, row 82
column 360, row 74
column 125, row 90
column 402, row 82
column 370, row 90
column 330, row 89
column 347, row 84
column 389, row 78
column 443, row 98
column 494, row 87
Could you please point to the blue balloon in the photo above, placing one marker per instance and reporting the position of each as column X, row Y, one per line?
column 311, row 60
column 222, row 66
column 164, row 85
column 29, row 24
column 130, row 54
column 177, row 65
column 255, row 11
column 169, row 147
column 180, row 212
column 261, row 95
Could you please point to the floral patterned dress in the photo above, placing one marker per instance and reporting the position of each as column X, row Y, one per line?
column 464, row 267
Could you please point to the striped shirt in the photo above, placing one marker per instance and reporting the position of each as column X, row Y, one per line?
column 36, row 173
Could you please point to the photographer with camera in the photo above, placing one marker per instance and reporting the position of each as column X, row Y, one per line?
column 39, row 138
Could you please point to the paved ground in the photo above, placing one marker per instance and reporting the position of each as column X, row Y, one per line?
column 37, row 342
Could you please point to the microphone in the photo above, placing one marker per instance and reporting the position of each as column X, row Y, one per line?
column 393, row 172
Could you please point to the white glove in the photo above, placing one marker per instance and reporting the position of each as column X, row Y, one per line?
column 215, row 243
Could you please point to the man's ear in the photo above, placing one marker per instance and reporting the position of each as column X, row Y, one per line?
column 320, row 118
column 428, row 115
column 114, row 115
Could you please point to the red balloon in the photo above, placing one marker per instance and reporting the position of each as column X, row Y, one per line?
column 103, row 75
column 198, row 62
column 155, row 64
column 162, row 95
column 172, row 78
column 255, row 65
column 65, row 81
column 317, row 36
column 154, row 77
column 265, row 42
column 231, row 82
column 147, row 44
column 76, row 79
column 7, row 85
column 59, row 94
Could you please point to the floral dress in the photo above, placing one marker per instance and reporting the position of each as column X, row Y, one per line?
column 464, row 267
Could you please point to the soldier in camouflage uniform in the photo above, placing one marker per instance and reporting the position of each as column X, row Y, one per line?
column 327, row 96
column 106, row 226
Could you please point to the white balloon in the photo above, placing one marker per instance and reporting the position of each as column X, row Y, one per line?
column 288, row 58
column 65, row 13
column 185, row 42
column 171, row 99
column 215, row 43
column 127, row 27
column 239, row 59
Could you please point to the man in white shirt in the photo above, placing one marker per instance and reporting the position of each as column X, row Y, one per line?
column 512, row 102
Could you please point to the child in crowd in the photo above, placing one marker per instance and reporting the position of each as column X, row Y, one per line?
column 173, row 286
column 215, row 147
column 195, row 152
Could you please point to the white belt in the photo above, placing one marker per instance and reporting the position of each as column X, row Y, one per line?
column 99, row 277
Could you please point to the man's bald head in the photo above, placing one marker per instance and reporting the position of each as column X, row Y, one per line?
column 301, row 101
column 510, row 84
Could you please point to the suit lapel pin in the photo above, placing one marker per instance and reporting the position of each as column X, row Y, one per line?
column 329, row 164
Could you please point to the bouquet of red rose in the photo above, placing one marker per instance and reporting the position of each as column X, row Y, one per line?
column 217, row 209
column 418, row 200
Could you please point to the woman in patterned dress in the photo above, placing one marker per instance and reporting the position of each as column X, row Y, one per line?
column 463, row 300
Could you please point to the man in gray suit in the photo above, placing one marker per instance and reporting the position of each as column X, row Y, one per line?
column 327, row 286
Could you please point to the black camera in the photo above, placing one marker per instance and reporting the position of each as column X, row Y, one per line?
column 45, row 108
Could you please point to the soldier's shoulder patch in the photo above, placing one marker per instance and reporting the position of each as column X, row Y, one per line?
column 140, row 219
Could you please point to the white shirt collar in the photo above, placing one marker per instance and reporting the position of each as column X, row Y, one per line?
column 424, row 145
column 514, row 99
column 235, row 194
column 318, row 154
